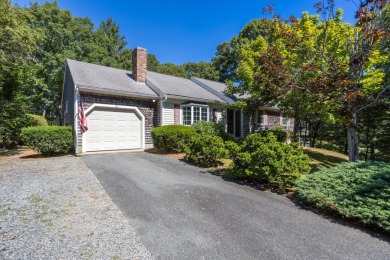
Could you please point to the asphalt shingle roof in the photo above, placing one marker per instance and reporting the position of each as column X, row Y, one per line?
column 220, row 87
column 176, row 87
column 99, row 77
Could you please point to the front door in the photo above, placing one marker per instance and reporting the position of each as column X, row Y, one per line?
column 234, row 122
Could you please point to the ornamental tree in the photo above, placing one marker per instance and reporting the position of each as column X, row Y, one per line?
column 320, row 63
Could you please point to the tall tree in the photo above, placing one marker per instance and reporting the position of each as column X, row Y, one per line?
column 112, row 45
column 357, row 81
column 227, row 54
column 16, row 45
column 62, row 37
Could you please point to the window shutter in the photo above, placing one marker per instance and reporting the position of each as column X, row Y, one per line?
column 176, row 114
column 215, row 115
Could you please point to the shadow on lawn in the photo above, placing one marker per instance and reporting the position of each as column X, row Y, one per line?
column 320, row 157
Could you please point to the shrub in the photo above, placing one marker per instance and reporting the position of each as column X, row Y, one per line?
column 172, row 138
column 49, row 140
column 262, row 157
column 280, row 134
column 205, row 150
column 36, row 120
column 211, row 128
column 353, row 190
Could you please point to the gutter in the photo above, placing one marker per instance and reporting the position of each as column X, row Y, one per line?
column 115, row 92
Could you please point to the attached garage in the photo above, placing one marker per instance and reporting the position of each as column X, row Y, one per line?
column 113, row 127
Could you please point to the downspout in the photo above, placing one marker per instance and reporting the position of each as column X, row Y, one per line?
column 162, row 107
column 75, row 110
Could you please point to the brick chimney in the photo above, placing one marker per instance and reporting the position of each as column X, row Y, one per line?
column 139, row 60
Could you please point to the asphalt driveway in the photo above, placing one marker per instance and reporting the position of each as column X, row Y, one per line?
column 181, row 212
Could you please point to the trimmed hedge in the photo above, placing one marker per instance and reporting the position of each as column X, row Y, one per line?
column 354, row 190
column 36, row 120
column 205, row 150
column 261, row 157
column 49, row 140
column 172, row 138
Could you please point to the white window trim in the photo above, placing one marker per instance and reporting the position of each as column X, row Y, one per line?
column 192, row 105
column 262, row 125
column 281, row 120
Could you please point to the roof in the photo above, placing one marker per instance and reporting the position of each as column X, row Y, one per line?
column 220, row 87
column 181, row 88
column 97, row 77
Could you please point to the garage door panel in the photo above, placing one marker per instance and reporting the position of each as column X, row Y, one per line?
column 113, row 129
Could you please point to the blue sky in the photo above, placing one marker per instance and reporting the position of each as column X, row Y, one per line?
column 181, row 31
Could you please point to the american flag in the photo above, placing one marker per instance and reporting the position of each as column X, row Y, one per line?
column 81, row 116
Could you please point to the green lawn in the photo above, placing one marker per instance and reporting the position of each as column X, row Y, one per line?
column 324, row 158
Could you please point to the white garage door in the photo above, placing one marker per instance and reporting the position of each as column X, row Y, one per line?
column 113, row 129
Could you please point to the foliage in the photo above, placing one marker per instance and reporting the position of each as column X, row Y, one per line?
column 280, row 134
column 354, row 190
column 16, row 45
column 172, row 138
column 205, row 150
column 201, row 69
column 211, row 128
column 227, row 54
column 36, row 120
column 312, row 61
column 374, row 125
column 262, row 157
column 49, row 140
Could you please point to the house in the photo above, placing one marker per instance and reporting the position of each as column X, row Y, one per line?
column 122, row 107
column 241, row 124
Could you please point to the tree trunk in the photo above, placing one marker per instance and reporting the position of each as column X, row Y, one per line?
column 296, row 128
column 353, row 147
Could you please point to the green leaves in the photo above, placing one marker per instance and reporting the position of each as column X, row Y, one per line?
column 49, row 140
column 172, row 138
column 261, row 157
column 205, row 150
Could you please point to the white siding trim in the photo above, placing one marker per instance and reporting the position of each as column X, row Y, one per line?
column 168, row 114
column 75, row 123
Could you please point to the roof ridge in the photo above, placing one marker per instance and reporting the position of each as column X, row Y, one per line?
column 99, row 65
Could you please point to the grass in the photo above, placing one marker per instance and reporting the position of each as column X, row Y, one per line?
column 322, row 157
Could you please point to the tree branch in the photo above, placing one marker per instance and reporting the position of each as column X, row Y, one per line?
column 376, row 99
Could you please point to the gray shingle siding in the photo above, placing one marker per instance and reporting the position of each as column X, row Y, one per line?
column 67, row 99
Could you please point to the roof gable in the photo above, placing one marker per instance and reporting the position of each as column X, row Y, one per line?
column 98, row 77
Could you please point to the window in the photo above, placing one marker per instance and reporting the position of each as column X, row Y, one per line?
column 204, row 114
column 284, row 120
column 195, row 113
column 260, row 117
column 186, row 115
